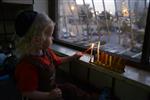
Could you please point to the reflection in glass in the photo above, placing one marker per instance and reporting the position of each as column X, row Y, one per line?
column 118, row 24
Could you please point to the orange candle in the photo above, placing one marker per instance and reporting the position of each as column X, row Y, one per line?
column 102, row 58
column 98, row 47
column 110, row 60
column 106, row 59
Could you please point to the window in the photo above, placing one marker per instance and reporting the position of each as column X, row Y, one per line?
column 119, row 25
column 19, row 1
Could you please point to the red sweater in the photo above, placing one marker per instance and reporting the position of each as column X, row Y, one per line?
column 27, row 74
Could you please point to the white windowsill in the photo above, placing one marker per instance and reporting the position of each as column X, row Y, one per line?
column 131, row 75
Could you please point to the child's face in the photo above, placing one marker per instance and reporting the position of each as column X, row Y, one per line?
column 48, row 36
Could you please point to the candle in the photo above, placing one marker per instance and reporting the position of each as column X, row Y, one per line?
column 102, row 59
column 92, row 47
column 98, row 47
column 106, row 59
column 110, row 60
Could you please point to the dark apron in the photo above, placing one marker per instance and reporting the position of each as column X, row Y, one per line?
column 46, row 73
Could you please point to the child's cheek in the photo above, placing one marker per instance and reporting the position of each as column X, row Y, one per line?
column 47, row 43
column 50, row 41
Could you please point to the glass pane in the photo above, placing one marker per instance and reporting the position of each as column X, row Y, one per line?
column 118, row 24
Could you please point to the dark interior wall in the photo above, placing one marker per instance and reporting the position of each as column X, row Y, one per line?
column 8, row 13
column 52, row 9
column 52, row 12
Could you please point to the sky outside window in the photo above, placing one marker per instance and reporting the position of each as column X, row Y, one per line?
column 99, row 5
column 120, row 25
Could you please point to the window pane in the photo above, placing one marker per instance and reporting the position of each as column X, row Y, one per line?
column 118, row 24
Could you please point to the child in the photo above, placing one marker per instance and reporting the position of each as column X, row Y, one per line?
column 35, row 73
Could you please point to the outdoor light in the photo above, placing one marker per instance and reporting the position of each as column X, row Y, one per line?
column 72, row 8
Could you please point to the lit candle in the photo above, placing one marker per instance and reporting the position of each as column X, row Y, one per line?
column 92, row 47
column 98, row 47
column 110, row 60
column 106, row 59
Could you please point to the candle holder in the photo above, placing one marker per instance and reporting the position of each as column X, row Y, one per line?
column 110, row 62
column 105, row 60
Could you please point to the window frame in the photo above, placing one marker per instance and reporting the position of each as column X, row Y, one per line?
column 144, row 62
column 146, row 47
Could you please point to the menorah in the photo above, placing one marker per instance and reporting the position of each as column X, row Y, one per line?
column 106, row 60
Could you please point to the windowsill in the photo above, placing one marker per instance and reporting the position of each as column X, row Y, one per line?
column 131, row 75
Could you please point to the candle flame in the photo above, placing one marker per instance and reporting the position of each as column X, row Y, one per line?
column 92, row 46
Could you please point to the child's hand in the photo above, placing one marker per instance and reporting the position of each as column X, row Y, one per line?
column 77, row 55
column 55, row 94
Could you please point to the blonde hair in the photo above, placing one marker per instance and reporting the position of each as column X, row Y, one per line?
column 23, row 45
